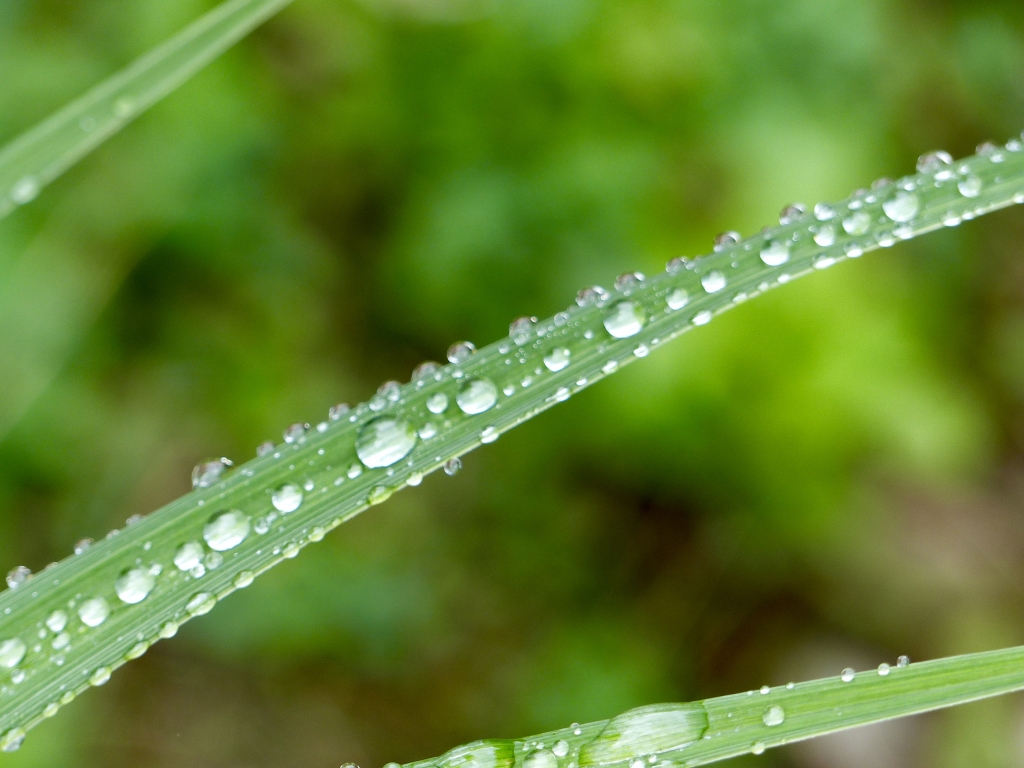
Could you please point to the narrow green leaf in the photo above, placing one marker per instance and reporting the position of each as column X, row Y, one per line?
column 88, row 614
column 39, row 156
column 716, row 729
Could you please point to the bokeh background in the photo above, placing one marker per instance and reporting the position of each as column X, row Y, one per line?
column 829, row 476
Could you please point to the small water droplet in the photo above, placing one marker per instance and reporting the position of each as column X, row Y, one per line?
column 627, row 281
column 415, row 478
column 168, row 629
column 18, row 576
column 488, row 435
column 337, row 411
column 134, row 585
column 677, row 265
column 460, row 352
column 25, row 190
column 726, row 240
column 12, row 740
column 610, row 366
column 262, row 525
column 557, row 359
column 452, row 466
column 540, row 758
column 82, row 545
column 264, row 449
column 391, row 390
column 226, row 530
column 825, row 236
column 823, row 262
column 12, row 652
column 354, row 471
column 213, row 560
column 934, row 162
column 200, row 603
column 590, row 296
column 378, row 495
column 209, row 472
column 61, row 641
column 521, row 329
column 702, row 318
column 295, row 432
column 57, row 620
column 476, row 396
column 624, row 319
column 970, row 186
column 560, row 748
column 883, row 669
column 774, row 715
column 51, row 709
column 137, row 650
column 713, row 281
column 775, row 253
column 765, row 690
column 757, row 748
column 188, row 556
column 94, row 611
column 903, row 662
column 437, row 402
column 678, row 299
column 901, row 205
column 824, row 212
column 791, row 213
column 991, row 151
column 847, row 675
column 424, row 371
column 857, row 223
column 385, row 441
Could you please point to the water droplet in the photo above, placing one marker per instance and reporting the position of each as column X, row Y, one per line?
column 51, row 709
column 12, row 740
column 791, row 213
column 226, row 530
column 1015, row 145
column 560, row 748
column 18, row 576
column 934, row 162
column 521, row 329
column 213, row 560
column 991, row 151
column 726, row 240
column 437, row 402
column 765, row 690
column 824, row 212
column 137, row 650
column 823, row 262
column 479, row 754
column 590, row 296
column 57, row 620
column 774, row 715
column 610, row 366
column 391, row 390
column 295, row 432
column 424, row 371
column 354, row 471
column 207, row 473
column 244, row 579
column 883, row 669
column 757, row 748
column 775, row 253
column 847, row 675
column 677, row 265
column 713, row 281
column 200, row 603
column 540, row 758
column 641, row 351
column 624, row 319
column 476, row 396
column 460, row 352
column 651, row 729
column 901, row 205
column 702, row 318
column 678, row 299
column 825, row 236
column 99, row 677
column 857, row 223
column 970, row 186
column 557, row 359
column 188, row 556
column 264, row 449
column 415, row 478
column 489, row 434
column 378, row 495
column 94, row 611
column 82, row 545
column 627, row 281
column 337, row 411
column 134, row 585
column 12, row 652
column 25, row 190
column 61, row 641
column 384, row 441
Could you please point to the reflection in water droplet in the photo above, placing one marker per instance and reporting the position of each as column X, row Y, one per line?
column 337, row 411
column 384, row 441
column 437, row 402
column 200, row 603
column 646, row 730
column 188, row 556
column 476, row 396
column 12, row 652
column 970, row 186
column 628, row 281
column 774, row 253
column 901, row 205
column 287, row 498
column 774, row 715
column 677, row 299
column 94, row 611
column 624, row 319
column 557, row 359
column 713, row 281
column 226, row 530
column 134, row 585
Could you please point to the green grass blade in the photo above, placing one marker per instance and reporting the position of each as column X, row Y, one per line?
column 715, row 729
column 359, row 458
column 37, row 157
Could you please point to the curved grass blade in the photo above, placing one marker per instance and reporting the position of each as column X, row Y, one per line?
column 700, row 732
column 37, row 157
column 68, row 627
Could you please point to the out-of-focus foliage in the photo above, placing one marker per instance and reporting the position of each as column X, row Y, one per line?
column 829, row 476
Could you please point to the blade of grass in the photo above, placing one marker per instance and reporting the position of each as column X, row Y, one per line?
column 701, row 732
column 68, row 627
column 37, row 157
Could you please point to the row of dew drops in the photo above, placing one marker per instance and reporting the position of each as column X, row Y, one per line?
column 638, row 738
column 384, row 441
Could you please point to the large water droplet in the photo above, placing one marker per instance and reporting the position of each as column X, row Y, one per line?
column 57, row 620
column 901, row 205
column 557, row 359
column 774, row 253
column 188, row 556
column 134, row 585
column 624, row 319
column 646, row 730
column 825, row 236
column 12, row 652
column 476, row 395
column 903, row 662
column 713, row 281
column 560, row 748
column 774, row 715
column 200, row 603
column 677, row 299
column 12, row 740
column 384, row 441
column 93, row 611
column 437, row 402
column 207, row 473
column 18, row 576
column 286, row 498
column 857, row 223
column 226, row 530
column 460, row 352
column 479, row 754
column 970, row 186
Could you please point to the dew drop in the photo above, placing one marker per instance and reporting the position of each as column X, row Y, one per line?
column 773, row 716
column 337, row 411
column 244, row 579
column 188, row 556
column 824, row 212
column 847, row 675
column 825, row 236
column 94, row 611
column 99, row 677
column 134, row 585
column 479, row 754
column 970, row 186
column 713, row 281
column 82, row 545
column 18, row 576
column 264, row 449
column 521, row 329
column 378, row 495
column 757, row 748
column 557, row 359
column 610, row 366
column 12, row 740
column 560, row 748
column 726, row 240
column 168, row 629
column 991, row 151
column 12, row 652
column 226, row 530
column 857, row 223
column 415, row 478
column 702, row 318
column 791, row 213
column 385, row 441
column 61, row 641
column 624, row 319
column 460, row 352
column 823, row 262
column 137, row 650
column 295, row 432
column 678, row 299
column 51, row 709
column 540, row 758
column 207, row 473
column 437, row 402
column 677, row 265
column 901, row 205
column 489, row 434
column 903, row 662
column 200, row 603
column 775, row 253
column 883, row 669
column 57, row 620
column 934, row 162
column 354, row 471
column 214, row 560
column 651, row 729
column 476, row 396
column 628, row 281
column 25, row 190
column 591, row 296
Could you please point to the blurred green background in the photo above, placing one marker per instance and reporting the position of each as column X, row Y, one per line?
column 827, row 477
